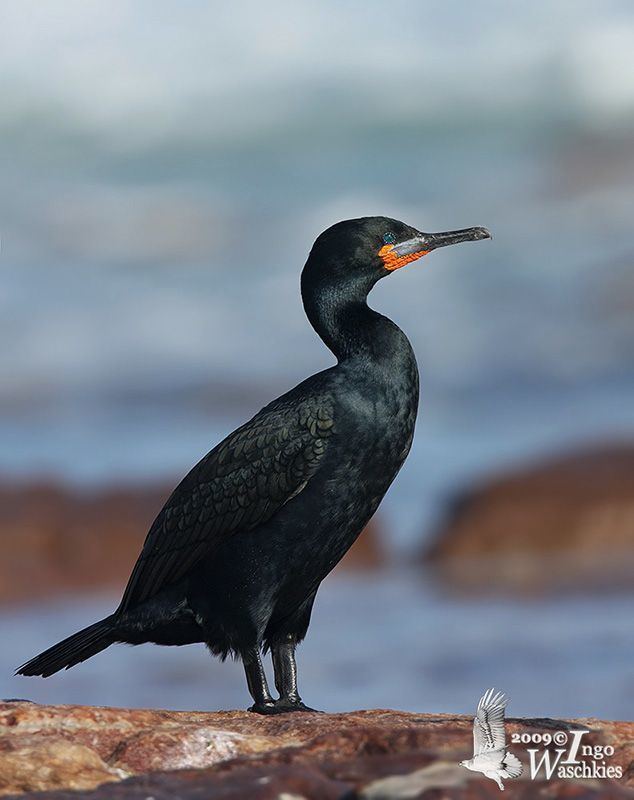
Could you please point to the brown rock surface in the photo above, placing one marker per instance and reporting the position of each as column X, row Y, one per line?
column 56, row 540
column 234, row 754
column 567, row 523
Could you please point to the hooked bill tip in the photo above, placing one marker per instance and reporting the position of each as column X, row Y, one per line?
column 482, row 233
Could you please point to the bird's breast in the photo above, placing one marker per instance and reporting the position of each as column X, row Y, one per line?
column 376, row 421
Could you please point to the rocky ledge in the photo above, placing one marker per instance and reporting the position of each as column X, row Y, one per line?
column 562, row 524
column 66, row 752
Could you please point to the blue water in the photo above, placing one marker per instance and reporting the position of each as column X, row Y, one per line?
column 387, row 642
column 122, row 365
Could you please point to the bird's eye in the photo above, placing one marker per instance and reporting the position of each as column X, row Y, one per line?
column 389, row 238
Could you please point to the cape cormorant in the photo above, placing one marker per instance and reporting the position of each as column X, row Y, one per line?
column 235, row 557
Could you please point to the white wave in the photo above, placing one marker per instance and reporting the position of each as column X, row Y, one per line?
column 246, row 68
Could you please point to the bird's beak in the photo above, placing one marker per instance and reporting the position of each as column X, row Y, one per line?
column 398, row 255
column 426, row 242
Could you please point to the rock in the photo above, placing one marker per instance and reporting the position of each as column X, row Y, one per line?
column 564, row 524
column 122, row 753
column 56, row 540
column 37, row 764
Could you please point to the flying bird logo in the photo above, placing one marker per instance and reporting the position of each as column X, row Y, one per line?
column 490, row 755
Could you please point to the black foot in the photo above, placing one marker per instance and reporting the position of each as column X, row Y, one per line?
column 284, row 706
column 281, row 707
column 264, row 708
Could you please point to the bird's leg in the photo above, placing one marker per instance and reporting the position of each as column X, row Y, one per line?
column 497, row 779
column 263, row 703
column 285, row 669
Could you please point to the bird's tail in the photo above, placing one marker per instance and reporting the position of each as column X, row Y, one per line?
column 512, row 766
column 76, row 648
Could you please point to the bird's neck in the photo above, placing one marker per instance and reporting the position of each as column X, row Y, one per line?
column 350, row 328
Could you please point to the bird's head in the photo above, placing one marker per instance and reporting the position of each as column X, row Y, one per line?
column 361, row 251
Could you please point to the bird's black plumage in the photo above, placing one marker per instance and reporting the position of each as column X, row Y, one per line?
column 235, row 557
column 238, row 486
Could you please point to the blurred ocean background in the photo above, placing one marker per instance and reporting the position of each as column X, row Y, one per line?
column 165, row 169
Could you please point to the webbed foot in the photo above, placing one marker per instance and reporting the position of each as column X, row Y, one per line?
column 264, row 708
column 285, row 705
column 281, row 706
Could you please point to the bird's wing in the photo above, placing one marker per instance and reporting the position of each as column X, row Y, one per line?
column 239, row 485
column 488, row 724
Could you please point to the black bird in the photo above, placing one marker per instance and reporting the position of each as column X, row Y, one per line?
column 235, row 557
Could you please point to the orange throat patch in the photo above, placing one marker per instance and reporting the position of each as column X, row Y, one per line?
column 392, row 261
